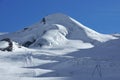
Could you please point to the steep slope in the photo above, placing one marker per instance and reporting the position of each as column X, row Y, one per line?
column 56, row 30
column 76, row 30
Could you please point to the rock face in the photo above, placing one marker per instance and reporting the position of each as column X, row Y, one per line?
column 8, row 45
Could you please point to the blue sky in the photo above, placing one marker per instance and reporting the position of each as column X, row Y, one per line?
column 100, row 15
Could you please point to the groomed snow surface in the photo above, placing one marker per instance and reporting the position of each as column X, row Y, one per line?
column 61, row 49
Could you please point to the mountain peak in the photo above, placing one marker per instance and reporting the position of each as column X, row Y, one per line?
column 57, row 30
column 56, row 18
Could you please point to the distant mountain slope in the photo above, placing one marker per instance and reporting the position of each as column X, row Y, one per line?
column 2, row 33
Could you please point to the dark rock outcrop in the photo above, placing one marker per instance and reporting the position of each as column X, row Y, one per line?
column 28, row 43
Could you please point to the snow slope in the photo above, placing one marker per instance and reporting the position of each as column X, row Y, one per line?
column 97, row 63
column 61, row 49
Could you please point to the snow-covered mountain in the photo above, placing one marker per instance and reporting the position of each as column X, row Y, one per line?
column 60, row 48
column 56, row 30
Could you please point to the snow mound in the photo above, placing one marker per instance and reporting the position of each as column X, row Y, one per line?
column 53, row 37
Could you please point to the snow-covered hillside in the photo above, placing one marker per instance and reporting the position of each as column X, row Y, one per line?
column 60, row 48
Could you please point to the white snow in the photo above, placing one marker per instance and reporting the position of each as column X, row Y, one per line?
column 4, row 44
column 64, row 49
column 93, row 34
column 62, row 63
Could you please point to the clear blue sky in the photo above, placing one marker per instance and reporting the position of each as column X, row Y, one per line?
column 100, row 15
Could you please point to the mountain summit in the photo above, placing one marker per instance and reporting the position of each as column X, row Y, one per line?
column 58, row 30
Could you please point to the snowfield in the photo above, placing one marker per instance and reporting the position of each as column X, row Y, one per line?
column 60, row 48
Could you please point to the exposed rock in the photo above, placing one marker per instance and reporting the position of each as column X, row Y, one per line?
column 28, row 43
column 44, row 21
column 25, row 28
